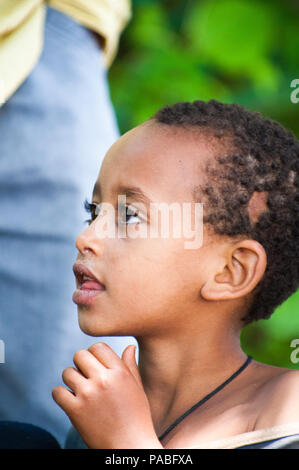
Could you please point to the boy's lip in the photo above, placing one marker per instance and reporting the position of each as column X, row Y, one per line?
column 80, row 270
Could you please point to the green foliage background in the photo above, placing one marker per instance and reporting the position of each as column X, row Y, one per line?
column 242, row 51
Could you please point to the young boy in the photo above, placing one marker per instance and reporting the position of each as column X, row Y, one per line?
column 186, row 307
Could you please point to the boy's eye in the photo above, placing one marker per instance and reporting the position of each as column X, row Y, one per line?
column 129, row 213
column 94, row 210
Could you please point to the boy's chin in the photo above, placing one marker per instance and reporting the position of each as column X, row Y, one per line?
column 89, row 332
column 88, row 327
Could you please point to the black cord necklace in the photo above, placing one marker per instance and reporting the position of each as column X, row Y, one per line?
column 204, row 399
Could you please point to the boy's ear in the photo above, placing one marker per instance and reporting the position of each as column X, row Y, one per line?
column 245, row 265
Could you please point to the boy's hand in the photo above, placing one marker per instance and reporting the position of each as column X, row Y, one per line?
column 107, row 403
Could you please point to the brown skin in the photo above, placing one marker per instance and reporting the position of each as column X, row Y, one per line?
column 184, row 308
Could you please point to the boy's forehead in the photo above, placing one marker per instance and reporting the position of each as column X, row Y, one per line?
column 158, row 157
column 161, row 140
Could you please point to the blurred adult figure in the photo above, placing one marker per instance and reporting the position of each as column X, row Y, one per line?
column 56, row 124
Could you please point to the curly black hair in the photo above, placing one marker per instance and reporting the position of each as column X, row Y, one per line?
column 259, row 160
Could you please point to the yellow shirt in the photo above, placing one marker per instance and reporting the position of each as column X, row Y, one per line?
column 22, row 27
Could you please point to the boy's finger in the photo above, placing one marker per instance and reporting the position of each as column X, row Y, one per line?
column 64, row 398
column 106, row 355
column 87, row 364
column 128, row 357
column 73, row 379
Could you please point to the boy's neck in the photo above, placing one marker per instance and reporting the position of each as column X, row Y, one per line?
column 178, row 372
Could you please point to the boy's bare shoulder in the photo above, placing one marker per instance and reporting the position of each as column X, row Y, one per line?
column 277, row 396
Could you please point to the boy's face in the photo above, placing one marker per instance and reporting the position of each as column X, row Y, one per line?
column 152, row 285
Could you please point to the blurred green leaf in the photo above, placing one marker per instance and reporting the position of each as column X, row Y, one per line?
column 234, row 35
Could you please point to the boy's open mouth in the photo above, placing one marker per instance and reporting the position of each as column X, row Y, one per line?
column 88, row 286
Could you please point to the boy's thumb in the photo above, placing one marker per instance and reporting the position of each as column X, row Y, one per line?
column 128, row 356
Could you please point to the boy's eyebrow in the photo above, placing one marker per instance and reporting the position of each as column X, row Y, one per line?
column 129, row 191
column 133, row 192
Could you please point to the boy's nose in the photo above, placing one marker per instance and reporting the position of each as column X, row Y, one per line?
column 88, row 241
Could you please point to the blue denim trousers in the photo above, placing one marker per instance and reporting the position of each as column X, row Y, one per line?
column 54, row 133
